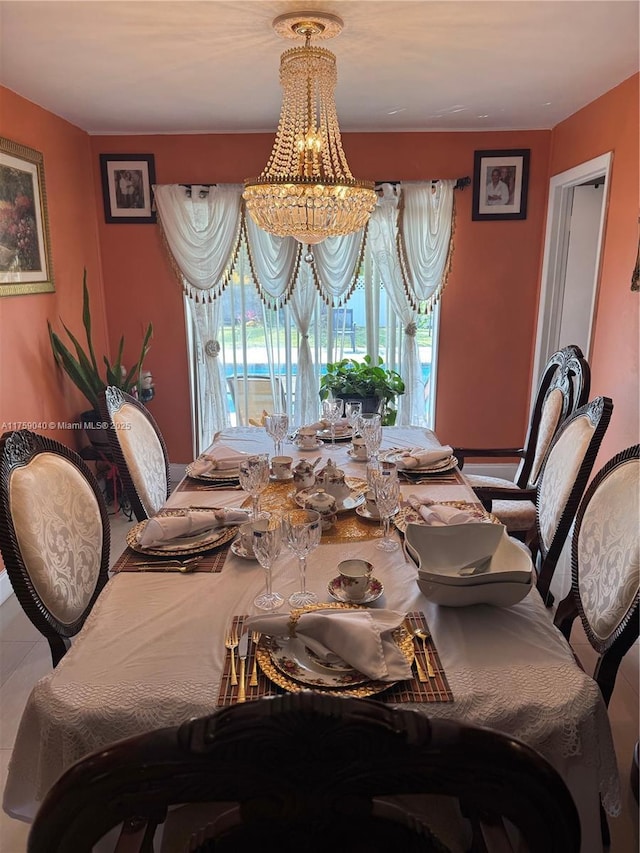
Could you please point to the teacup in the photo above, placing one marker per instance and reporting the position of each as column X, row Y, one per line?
column 371, row 505
column 307, row 438
column 355, row 576
column 281, row 467
column 359, row 448
column 246, row 537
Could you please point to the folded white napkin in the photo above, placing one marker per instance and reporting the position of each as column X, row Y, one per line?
column 418, row 457
column 438, row 515
column 164, row 528
column 342, row 425
column 221, row 458
column 361, row 638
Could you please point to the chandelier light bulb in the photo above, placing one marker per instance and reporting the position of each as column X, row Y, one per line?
column 306, row 190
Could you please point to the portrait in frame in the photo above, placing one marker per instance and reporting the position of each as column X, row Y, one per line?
column 25, row 249
column 500, row 184
column 127, row 187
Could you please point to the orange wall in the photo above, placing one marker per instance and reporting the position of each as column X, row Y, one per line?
column 488, row 309
column 611, row 124
column 32, row 389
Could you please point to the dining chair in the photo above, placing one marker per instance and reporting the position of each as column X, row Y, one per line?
column 309, row 771
column 605, row 571
column 561, row 484
column 138, row 450
column 564, row 387
column 54, row 534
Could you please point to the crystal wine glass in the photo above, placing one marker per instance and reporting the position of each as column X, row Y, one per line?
column 267, row 542
column 254, row 478
column 332, row 412
column 276, row 426
column 370, row 428
column 302, row 531
column 387, row 493
column 352, row 412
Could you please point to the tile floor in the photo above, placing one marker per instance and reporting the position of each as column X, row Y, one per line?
column 25, row 657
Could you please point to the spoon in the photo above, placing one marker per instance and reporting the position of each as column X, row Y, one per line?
column 424, row 636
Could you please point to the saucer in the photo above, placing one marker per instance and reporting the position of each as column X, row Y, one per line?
column 315, row 446
column 286, row 479
column 239, row 550
column 363, row 512
column 356, row 458
column 373, row 592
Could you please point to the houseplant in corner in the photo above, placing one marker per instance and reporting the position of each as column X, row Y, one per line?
column 377, row 386
column 84, row 372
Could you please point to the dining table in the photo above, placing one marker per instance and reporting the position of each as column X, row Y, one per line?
column 152, row 652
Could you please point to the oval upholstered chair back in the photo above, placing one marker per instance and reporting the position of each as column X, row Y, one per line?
column 605, row 565
column 54, row 534
column 138, row 451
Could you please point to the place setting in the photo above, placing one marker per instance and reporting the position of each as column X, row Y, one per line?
column 219, row 467
column 313, row 648
column 418, row 463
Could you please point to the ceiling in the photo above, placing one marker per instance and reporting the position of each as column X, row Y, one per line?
column 121, row 67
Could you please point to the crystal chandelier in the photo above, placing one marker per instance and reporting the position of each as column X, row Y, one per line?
column 307, row 190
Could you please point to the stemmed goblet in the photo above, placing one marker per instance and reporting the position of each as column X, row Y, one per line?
column 267, row 542
column 276, row 426
column 254, row 478
column 370, row 428
column 332, row 412
column 386, row 489
column 302, row 531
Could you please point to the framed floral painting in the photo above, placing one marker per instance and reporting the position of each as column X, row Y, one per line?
column 127, row 187
column 25, row 251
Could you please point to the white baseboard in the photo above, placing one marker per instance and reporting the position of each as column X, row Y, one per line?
column 5, row 586
column 500, row 469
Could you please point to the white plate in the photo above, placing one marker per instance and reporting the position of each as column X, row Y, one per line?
column 307, row 449
column 352, row 501
column 437, row 467
column 293, row 658
column 239, row 550
column 373, row 592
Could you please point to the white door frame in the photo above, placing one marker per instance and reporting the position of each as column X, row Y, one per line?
column 555, row 256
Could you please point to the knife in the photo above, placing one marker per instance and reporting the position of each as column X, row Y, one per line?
column 242, row 654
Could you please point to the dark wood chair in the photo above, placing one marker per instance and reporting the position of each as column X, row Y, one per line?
column 563, row 479
column 564, row 387
column 54, row 534
column 311, row 772
column 138, row 450
column 605, row 572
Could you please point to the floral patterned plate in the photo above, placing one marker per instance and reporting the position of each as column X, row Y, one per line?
column 214, row 475
column 183, row 545
column 293, row 658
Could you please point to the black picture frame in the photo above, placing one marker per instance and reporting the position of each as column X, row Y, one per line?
column 127, row 188
column 510, row 185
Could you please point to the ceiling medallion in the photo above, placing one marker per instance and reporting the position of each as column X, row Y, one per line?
column 306, row 190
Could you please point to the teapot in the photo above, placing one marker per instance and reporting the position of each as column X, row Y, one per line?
column 331, row 478
column 323, row 503
column 304, row 476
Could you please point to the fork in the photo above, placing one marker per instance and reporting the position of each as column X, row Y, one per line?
column 231, row 641
column 255, row 639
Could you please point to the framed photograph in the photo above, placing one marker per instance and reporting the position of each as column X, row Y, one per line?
column 25, row 250
column 500, row 184
column 127, row 181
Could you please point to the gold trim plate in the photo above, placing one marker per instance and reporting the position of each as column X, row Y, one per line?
column 215, row 538
column 370, row 688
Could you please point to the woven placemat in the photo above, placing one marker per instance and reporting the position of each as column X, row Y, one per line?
column 435, row 690
column 450, row 478
column 212, row 561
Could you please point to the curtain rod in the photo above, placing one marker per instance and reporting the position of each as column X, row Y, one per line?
column 461, row 183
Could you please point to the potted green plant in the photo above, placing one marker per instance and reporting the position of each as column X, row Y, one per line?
column 377, row 386
column 83, row 369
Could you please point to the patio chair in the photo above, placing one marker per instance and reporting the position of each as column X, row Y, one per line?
column 253, row 395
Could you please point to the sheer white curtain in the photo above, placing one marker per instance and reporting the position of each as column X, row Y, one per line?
column 202, row 228
column 335, row 266
column 274, row 263
column 382, row 243
column 302, row 305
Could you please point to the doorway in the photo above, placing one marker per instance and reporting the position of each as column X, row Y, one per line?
column 576, row 216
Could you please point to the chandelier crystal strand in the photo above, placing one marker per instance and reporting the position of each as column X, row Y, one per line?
column 307, row 191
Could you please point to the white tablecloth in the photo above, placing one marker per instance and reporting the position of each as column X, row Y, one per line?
column 151, row 654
